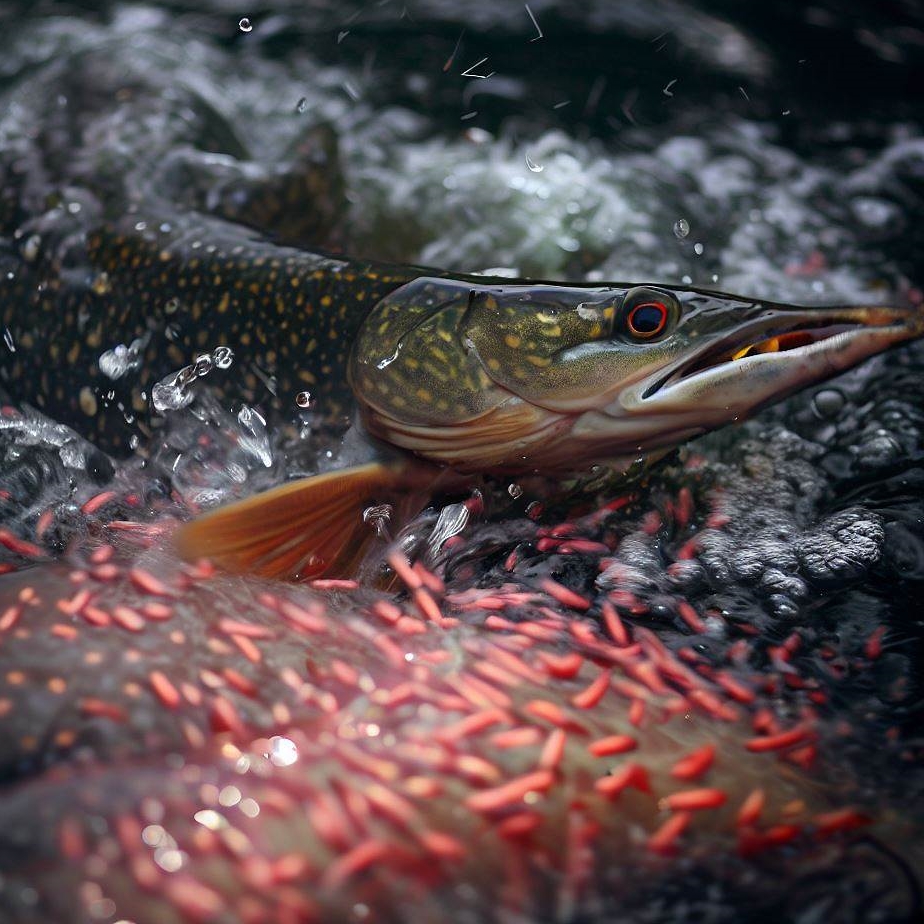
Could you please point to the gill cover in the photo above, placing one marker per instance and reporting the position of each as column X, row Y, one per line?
column 469, row 374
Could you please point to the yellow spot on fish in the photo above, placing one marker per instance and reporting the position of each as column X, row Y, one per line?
column 512, row 340
column 88, row 401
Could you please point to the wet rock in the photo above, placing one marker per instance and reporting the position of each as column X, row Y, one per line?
column 844, row 547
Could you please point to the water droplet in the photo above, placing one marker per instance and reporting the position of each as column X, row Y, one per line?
column 121, row 360
column 8, row 340
column 222, row 357
column 245, row 25
column 536, row 168
column 698, row 249
column 302, row 105
column 514, row 490
column 378, row 517
column 172, row 306
column 303, row 399
column 452, row 520
column 681, row 228
column 534, row 510
column 170, row 393
column 257, row 442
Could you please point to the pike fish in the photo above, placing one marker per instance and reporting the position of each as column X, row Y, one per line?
column 165, row 244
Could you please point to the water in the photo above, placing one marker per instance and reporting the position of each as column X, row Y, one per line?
column 796, row 539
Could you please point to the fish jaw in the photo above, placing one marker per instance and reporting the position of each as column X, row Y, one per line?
column 764, row 359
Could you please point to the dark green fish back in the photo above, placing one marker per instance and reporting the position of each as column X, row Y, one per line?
column 161, row 292
column 137, row 238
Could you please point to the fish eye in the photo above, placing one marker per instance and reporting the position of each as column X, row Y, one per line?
column 647, row 312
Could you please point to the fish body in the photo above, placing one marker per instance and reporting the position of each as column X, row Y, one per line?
column 154, row 249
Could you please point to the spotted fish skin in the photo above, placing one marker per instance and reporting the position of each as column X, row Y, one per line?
column 133, row 217
column 170, row 294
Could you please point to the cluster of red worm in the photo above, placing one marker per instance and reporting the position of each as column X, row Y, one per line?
column 412, row 734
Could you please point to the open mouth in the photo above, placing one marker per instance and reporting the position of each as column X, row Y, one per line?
column 735, row 348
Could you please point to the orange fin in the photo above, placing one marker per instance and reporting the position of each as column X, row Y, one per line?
column 302, row 530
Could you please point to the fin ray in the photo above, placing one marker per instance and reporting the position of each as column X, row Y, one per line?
column 301, row 530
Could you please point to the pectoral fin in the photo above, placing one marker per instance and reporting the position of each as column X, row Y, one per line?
column 305, row 529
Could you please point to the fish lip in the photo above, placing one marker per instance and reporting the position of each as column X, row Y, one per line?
column 835, row 322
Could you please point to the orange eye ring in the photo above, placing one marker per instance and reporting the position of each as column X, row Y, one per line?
column 647, row 320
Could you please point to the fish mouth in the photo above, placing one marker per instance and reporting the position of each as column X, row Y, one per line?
column 786, row 340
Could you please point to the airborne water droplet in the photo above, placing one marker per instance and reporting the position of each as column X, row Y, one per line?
column 170, row 393
column 121, row 360
column 8, row 340
column 536, row 168
column 514, row 490
column 698, row 249
column 303, row 399
column 378, row 517
column 222, row 357
column 302, row 105
column 681, row 228
column 245, row 24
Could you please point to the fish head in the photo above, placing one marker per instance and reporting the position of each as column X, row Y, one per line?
column 545, row 377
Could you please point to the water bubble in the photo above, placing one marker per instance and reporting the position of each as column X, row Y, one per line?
column 681, row 228
column 698, row 249
column 222, row 357
column 302, row 105
column 535, row 168
column 203, row 365
column 514, row 490
column 245, row 25
column 303, row 399
column 534, row 510
column 172, row 306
